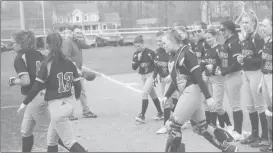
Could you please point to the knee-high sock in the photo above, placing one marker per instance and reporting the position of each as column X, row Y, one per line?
column 174, row 103
column 226, row 119
column 213, row 118
column 207, row 113
column 238, row 121
column 167, row 114
column 27, row 143
column 157, row 105
column 264, row 126
column 145, row 103
column 254, row 119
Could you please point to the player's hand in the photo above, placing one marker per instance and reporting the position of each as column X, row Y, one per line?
column 12, row 81
column 209, row 67
column 240, row 59
column 211, row 103
column 21, row 109
column 139, row 56
column 268, row 113
column 164, row 101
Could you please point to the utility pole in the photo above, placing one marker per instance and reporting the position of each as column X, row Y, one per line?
column 22, row 15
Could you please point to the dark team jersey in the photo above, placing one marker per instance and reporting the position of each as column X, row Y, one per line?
column 250, row 48
column 146, row 63
column 58, row 78
column 211, row 57
column 199, row 50
column 182, row 66
column 266, row 54
column 228, row 55
column 28, row 62
column 161, row 63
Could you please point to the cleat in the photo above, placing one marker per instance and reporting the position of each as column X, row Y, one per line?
column 186, row 125
column 249, row 140
column 259, row 143
column 231, row 148
column 89, row 115
column 160, row 116
column 140, row 118
column 162, row 130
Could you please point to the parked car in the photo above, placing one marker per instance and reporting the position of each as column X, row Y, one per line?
column 114, row 39
column 98, row 40
column 6, row 46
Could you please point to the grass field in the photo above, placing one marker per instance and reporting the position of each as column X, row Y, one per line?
column 115, row 100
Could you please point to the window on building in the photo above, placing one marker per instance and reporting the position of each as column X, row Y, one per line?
column 85, row 17
column 77, row 19
column 104, row 26
column 115, row 26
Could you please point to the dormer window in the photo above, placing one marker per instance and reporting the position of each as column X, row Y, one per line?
column 77, row 19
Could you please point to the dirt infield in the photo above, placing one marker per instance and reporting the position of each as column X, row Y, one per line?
column 113, row 101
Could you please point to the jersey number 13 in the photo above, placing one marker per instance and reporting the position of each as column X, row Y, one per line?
column 65, row 81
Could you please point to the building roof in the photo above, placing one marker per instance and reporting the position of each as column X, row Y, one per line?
column 84, row 8
column 110, row 17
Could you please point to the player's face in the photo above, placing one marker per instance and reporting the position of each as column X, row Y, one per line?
column 266, row 28
column 224, row 32
column 182, row 34
column 139, row 46
column 211, row 40
column 200, row 32
column 168, row 45
column 77, row 33
column 159, row 41
column 16, row 47
column 247, row 24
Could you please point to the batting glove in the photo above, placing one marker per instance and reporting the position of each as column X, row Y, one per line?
column 12, row 81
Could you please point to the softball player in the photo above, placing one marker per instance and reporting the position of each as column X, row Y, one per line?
column 215, row 82
column 143, row 59
column 56, row 75
column 186, row 78
column 251, row 63
column 161, row 69
column 26, row 64
column 266, row 80
column 231, row 70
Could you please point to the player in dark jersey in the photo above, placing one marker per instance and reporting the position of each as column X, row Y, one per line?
column 251, row 64
column 57, row 75
column 215, row 82
column 266, row 80
column 27, row 62
column 143, row 59
column 186, row 78
column 161, row 70
column 231, row 70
